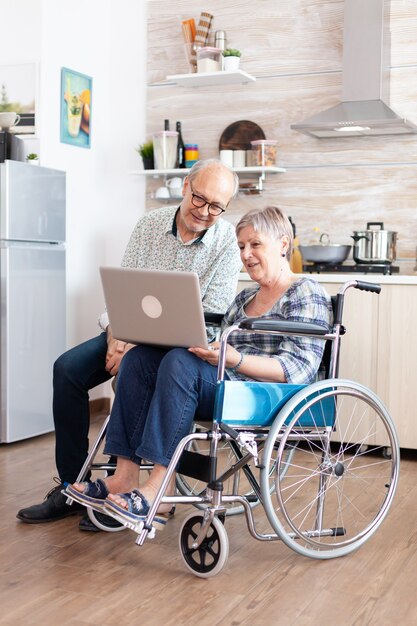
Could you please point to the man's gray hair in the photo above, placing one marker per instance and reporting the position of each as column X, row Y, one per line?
column 270, row 221
column 215, row 163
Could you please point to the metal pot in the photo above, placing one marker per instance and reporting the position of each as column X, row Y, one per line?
column 374, row 246
column 325, row 252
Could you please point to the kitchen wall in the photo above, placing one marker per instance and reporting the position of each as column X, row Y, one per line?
column 294, row 48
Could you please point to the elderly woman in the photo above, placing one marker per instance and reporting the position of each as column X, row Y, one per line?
column 159, row 391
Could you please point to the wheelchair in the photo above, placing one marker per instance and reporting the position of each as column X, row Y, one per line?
column 313, row 456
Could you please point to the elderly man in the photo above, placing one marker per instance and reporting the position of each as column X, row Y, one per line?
column 191, row 237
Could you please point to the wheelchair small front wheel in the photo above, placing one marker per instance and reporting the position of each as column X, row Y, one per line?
column 104, row 522
column 209, row 558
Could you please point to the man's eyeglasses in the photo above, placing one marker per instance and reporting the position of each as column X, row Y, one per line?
column 199, row 202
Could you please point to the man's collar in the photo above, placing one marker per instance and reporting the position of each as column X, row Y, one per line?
column 205, row 237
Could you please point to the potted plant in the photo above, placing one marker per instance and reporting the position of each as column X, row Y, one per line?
column 146, row 152
column 231, row 59
column 32, row 158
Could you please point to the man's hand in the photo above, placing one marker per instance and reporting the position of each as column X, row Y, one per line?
column 115, row 352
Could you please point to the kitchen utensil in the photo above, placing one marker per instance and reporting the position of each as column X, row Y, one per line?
column 239, row 158
column 203, row 28
column 238, row 136
column 208, row 59
column 190, row 55
column 165, row 149
column 226, row 157
column 8, row 119
column 191, row 154
column 162, row 192
column 201, row 34
column 264, row 152
column 220, row 41
column 296, row 261
column 175, row 186
column 325, row 252
column 374, row 246
column 188, row 30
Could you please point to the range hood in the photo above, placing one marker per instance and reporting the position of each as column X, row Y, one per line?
column 365, row 93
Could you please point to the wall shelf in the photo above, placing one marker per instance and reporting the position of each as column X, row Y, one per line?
column 236, row 77
column 256, row 172
column 252, row 170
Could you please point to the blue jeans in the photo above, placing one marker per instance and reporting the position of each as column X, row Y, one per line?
column 76, row 372
column 158, row 394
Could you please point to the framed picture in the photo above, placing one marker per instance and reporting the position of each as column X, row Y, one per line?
column 19, row 94
column 76, row 108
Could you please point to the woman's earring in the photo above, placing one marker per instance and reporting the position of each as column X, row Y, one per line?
column 283, row 254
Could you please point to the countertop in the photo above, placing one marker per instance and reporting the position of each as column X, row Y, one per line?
column 394, row 279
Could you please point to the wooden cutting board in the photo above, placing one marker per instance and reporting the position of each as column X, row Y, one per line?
column 238, row 135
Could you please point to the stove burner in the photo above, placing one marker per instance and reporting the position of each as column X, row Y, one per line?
column 359, row 268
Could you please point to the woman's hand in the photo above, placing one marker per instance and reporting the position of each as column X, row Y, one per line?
column 212, row 354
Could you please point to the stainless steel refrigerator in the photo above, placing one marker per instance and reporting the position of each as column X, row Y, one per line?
column 32, row 290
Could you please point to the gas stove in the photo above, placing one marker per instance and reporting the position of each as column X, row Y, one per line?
column 358, row 268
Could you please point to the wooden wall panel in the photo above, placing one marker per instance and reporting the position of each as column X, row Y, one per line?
column 294, row 48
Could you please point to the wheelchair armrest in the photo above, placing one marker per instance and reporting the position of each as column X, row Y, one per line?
column 283, row 326
column 213, row 319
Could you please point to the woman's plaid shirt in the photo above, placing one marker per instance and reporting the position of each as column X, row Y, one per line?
column 300, row 357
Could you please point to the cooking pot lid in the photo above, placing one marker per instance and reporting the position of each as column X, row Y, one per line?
column 368, row 229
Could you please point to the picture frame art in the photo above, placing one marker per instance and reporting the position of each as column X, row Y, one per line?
column 76, row 108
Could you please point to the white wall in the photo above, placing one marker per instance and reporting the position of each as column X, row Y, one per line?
column 108, row 42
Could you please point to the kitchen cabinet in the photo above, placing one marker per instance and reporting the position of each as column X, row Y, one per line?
column 380, row 350
column 380, row 345
column 396, row 358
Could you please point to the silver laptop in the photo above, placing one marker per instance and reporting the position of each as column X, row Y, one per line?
column 154, row 307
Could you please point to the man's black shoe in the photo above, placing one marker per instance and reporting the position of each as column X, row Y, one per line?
column 87, row 524
column 53, row 508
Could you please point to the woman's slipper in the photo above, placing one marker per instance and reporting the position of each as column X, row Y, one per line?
column 137, row 509
column 94, row 494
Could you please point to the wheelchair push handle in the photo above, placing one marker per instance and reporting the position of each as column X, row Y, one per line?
column 364, row 286
column 339, row 299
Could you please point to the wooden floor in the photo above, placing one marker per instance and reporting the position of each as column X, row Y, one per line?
column 53, row 574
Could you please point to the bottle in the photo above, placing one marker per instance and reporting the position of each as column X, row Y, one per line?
column 166, row 124
column 296, row 261
column 180, row 148
column 221, row 43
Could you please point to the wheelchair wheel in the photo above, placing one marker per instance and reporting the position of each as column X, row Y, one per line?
column 338, row 485
column 237, row 483
column 104, row 522
column 210, row 557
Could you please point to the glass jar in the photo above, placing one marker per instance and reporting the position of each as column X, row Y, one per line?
column 209, row 59
column 264, row 152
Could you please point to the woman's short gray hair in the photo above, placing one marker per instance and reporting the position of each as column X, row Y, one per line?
column 270, row 221
column 214, row 163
